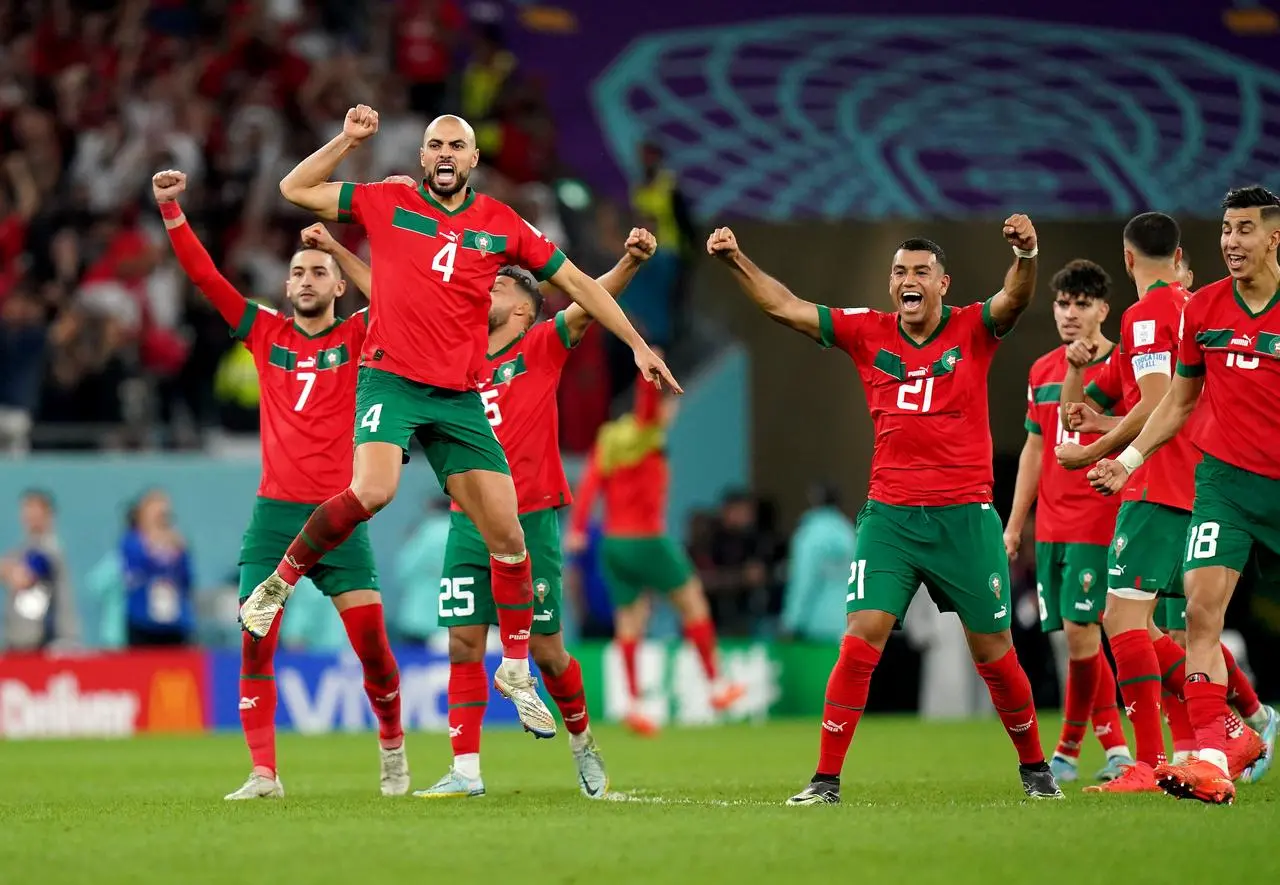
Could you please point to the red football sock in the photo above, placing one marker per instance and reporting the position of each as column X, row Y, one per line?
column 368, row 634
column 1011, row 694
column 570, row 697
column 1207, row 707
column 1239, row 689
column 702, row 636
column 1138, row 674
column 628, row 649
column 1082, row 686
column 1173, row 667
column 513, row 597
column 847, row 689
column 468, row 697
column 328, row 526
column 258, row 697
column 1106, row 713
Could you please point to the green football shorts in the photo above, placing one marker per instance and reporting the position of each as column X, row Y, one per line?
column 272, row 528
column 1145, row 557
column 1235, row 521
column 1070, row 583
column 633, row 566
column 450, row 424
column 957, row 552
column 466, row 588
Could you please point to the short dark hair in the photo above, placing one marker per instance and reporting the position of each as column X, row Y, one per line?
column 1154, row 234
column 920, row 244
column 44, row 496
column 333, row 261
column 1080, row 276
column 1253, row 196
column 525, row 283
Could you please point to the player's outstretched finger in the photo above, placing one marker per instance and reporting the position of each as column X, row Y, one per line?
column 670, row 379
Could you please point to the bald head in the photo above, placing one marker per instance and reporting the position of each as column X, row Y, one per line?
column 448, row 155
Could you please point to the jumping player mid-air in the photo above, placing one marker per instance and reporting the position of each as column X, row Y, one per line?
column 306, row 370
column 436, row 250
column 628, row 470
column 929, row 516
column 1146, row 555
column 522, row 370
column 1074, row 524
column 1229, row 348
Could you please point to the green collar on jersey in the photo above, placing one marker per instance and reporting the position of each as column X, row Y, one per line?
column 1100, row 358
column 942, row 323
column 510, row 344
column 1156, row 285
column 1235, row 290
column 325, row 331
column 435, row 204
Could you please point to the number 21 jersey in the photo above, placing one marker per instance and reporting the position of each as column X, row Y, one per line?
column 928, row 402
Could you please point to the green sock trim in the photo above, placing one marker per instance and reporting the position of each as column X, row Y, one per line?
column 1169, row 672
column 469, row 704
column 310, row 543
column 1076, row 724
column 565, row 700
column 260, row 676
column 1152, row 678
column 1015, row 709
column 845, row 706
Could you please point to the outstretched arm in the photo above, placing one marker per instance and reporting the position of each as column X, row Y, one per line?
column 308, row 185
column 195, row 261
column 639, row 248
column 1109, row 476
column 1020, row 280
column 317, row 236
column 776, row 300
column 1024, row 491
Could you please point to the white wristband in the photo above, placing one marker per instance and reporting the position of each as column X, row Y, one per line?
column 1023, row 253
column 1131, row 458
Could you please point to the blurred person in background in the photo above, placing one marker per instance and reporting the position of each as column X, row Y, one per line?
column 743, row 555
column 40, row 609
column 420, row 566
column 818, row 572
column 159, row 609
column 24, row 337
column 628, row 469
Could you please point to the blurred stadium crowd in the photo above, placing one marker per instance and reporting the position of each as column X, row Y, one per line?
column 103, row 343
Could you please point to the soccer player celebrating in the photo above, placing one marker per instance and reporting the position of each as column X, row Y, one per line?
column 1074, row 525
column 1230, row 347
column 928, row 517
column 628, row 468
column 1145, row 558
column 522, row 369
column 306, row 369
column 437, row 249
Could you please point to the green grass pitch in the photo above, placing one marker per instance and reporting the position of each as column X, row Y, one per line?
column 923, row 803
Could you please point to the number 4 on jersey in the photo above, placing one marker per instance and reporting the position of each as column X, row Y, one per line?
column 372, row 418
column 443, row 262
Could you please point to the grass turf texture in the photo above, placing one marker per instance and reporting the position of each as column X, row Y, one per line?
column 922, row 803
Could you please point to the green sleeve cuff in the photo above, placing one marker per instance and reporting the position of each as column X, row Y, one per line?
column 562, row 331
column 989, row 321
column 364, row 315
column 245, row 326
column 1095, row 393
column 826, row 328
column 345, row 196
column 554, row 263
column 1187, row 371
column 1032, row 427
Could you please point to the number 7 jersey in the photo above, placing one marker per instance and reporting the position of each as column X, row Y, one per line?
column 928, row 402
column 308, row 402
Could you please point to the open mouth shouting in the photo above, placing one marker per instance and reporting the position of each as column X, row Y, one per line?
column 1235, row 261
column 912, row 302
column 445, row 176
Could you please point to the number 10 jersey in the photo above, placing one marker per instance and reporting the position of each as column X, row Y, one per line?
column 928, row 401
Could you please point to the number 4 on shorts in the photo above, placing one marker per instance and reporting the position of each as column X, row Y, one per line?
column 372, row 418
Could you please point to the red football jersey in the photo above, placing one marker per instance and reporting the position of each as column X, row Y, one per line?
column 628, row 466
column 307, row 384
column 928, row 402
column 1238, row 417
column 518, row 386
column 1149, row 345
column 432, row 271
column 1068, row 510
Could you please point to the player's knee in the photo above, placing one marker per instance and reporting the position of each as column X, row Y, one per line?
column 1204, row 618
column 1083, row 640
column 506, row 538
column 871, row 630
column 466, row 647
column 374, row 493
column 987, row 648
column 549, row 653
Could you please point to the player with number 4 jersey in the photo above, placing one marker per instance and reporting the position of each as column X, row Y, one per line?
column 929, row 517
column 1074, row 524
column 306, row 370
column 1230, row 349
column 436, row 251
